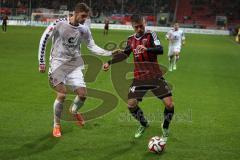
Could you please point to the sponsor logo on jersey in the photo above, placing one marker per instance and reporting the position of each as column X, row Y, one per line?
column 71, row 42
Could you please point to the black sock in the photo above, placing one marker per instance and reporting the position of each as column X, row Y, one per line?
column 137, row 113
column 168, row 114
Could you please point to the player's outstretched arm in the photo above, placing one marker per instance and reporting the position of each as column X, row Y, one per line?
column 47, row 34
column 97, row 50
column 91, row 45
column 118, row 56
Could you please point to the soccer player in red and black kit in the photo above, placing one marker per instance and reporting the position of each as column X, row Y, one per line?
column 4, row 23
column 145, row 46
column 106, row 26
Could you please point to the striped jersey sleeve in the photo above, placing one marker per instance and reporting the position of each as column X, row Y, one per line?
column 156, row 40
column 47, row 34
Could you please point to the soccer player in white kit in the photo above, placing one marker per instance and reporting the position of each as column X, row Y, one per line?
column 66, row 63
column 176, row 39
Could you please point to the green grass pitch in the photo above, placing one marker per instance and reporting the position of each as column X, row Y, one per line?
column 206, row 95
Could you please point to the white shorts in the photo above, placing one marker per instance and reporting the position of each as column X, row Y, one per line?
column 173, row 49
column 71, row 76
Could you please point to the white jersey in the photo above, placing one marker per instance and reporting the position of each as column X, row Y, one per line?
column 66, row 42
column 66, row 63
column 175, row 37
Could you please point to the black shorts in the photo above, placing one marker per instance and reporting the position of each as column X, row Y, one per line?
column 158, row 86
column 106, row 27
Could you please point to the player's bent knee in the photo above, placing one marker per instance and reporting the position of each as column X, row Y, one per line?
column 169, row 105
column 168, row 102
column 82, row 93
column 132, row 103
column 61, row 96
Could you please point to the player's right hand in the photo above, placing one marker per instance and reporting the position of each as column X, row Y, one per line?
column 183, row 43
column 106, row 66
column 42, row 68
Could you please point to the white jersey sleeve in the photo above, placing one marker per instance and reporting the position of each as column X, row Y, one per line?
column 47, row 34
column 93, row 47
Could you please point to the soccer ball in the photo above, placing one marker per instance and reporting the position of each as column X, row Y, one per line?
column 156, row 144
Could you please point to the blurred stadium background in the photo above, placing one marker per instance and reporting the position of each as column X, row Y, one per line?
column 209, row 14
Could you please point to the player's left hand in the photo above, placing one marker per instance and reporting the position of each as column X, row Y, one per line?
column 141, row 48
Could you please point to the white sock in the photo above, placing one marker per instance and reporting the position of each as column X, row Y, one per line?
column 170, row 62
column 57, row 111
column 77, row 104
column 174, row 60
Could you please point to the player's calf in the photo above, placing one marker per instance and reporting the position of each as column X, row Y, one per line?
column 74, row 108
column 171, row 63
column 168, row 115
column 57, row 111
column 137, row 112
column 78, row 102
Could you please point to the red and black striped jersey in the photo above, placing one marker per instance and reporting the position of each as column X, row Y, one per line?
column 146, row 64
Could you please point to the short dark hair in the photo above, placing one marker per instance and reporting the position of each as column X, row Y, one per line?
column 136, row 18
column 82, row 7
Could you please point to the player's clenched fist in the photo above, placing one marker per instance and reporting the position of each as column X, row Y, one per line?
column 42, row 68
column 106, row 66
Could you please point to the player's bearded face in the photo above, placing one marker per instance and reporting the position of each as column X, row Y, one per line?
column 139, row 28
column 81, row 17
